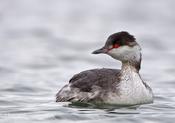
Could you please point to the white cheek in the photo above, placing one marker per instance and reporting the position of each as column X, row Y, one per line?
column 116, row 53
column 125, row 53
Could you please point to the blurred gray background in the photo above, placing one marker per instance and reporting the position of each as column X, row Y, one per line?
column 43, row 43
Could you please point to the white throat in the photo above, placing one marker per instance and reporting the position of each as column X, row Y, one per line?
column 131, row 89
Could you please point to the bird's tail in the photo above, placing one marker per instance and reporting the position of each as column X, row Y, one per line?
column 70, row 94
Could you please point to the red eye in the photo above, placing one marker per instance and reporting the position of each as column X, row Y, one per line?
column 116, row 46
column 113, row 46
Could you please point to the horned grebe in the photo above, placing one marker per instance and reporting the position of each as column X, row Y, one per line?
column 111, row 86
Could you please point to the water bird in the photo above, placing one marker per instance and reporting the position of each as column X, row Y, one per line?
column 111, row 86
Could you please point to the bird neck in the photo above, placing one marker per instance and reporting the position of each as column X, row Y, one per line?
column 134, row 64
